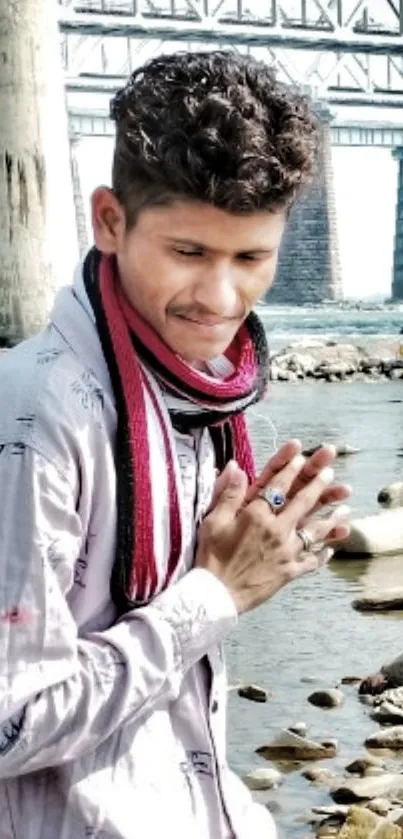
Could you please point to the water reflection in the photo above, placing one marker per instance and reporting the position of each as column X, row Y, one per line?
column 351, row 570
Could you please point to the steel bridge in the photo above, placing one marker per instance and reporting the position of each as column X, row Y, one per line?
column 89, row 122
column 343, row 52
column 346, row 51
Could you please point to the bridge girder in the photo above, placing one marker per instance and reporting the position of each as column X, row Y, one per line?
column 346, row 51
column 89, row 122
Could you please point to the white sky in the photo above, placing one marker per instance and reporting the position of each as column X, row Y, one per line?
column 365, row 186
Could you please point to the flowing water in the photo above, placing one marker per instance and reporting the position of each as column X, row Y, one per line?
column 310, row 636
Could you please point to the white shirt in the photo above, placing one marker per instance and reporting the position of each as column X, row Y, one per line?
column 108, row 729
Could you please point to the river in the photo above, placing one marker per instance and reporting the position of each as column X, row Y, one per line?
column 310, row 630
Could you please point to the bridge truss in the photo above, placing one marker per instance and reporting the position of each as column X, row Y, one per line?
column 345, row 51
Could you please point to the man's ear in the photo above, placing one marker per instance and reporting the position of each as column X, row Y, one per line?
column 108, row 220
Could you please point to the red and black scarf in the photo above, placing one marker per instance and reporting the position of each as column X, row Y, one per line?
column 130, row 346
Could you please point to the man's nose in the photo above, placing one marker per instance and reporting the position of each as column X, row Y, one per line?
column 217, row 291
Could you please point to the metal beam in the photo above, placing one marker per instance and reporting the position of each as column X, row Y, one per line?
column 210, row 30
column 92, row 123
column 98, row 83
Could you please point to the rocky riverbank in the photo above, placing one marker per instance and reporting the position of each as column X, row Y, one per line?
column 336, row 362
column 365, row 799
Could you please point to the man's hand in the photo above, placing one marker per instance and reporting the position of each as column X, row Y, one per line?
column 255, row 552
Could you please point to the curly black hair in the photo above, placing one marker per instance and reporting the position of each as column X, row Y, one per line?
column 215, row 127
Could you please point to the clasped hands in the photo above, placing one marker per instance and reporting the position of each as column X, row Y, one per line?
column 258, row 538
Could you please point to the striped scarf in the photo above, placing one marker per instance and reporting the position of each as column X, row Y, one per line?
column 196, row 400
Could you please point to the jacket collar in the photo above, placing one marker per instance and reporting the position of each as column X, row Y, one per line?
column 73, row 318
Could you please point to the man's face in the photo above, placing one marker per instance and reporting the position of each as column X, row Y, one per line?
column 194, row 272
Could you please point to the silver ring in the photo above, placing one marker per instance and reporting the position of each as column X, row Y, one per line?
column 274, row 497
column 307, row 540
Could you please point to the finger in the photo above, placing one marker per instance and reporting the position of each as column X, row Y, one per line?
column 280, row 459
column 221, row 482
column 306, row 499
column 308, row 562
column 232, row 496
column 332, row 527
column 323, row 457
column 333, row 495
column 283, row 479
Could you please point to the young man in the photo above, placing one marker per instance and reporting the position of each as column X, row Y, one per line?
column 124, row 563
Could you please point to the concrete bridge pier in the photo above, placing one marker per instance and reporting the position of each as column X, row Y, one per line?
column 397, row 281
column 309, row 268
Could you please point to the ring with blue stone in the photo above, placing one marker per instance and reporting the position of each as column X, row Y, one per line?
column 275, row 498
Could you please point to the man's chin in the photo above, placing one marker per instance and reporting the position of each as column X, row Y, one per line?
column 201, row 352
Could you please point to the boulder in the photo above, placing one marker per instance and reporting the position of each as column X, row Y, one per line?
column 320, row 777
column 253, row 692
column 300, row 728
column 262, row 779
column 389, row 738
column 388, row 707
column 330, row 698
column 373, row 685
column 380, row 806
column 291, row 747
column 388, row 785
column 362, row 824
column 361, row 765
column 380, row 601
column 389, row 676
column 381, row 533
column 391, row 496
column 351, row 680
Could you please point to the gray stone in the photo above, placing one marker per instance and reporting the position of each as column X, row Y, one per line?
column 320, row 777
column 262, row 779
column 363, row 789
column 300, row 728
column 253, row 692
column 383, row 600
column 380, row 806
column 291, row 747
column 388, row 707
column 390, row 738
column 361, row 765
column 329, row 698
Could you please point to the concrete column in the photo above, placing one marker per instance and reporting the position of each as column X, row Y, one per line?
column 79, row 206
column 309, row 268
column 397, row 282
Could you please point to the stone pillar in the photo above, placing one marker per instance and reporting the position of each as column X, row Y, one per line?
column 79, row 206
column 397, row 282
column 309, row 268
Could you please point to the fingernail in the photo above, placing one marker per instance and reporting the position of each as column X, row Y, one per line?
column 342, row 512
column 298, row 461
column 327, row 475
column 235, row 473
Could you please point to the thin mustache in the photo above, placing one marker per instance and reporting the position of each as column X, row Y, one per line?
column 205, row 314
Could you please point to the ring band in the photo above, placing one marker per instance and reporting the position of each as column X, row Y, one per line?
column 307, row 540
column 274, row 497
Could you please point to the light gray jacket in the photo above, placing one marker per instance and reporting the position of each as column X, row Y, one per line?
column 108, row 729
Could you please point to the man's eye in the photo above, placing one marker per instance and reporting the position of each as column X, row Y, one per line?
column 186, row 252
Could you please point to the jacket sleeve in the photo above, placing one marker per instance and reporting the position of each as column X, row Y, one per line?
column 61, row 695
